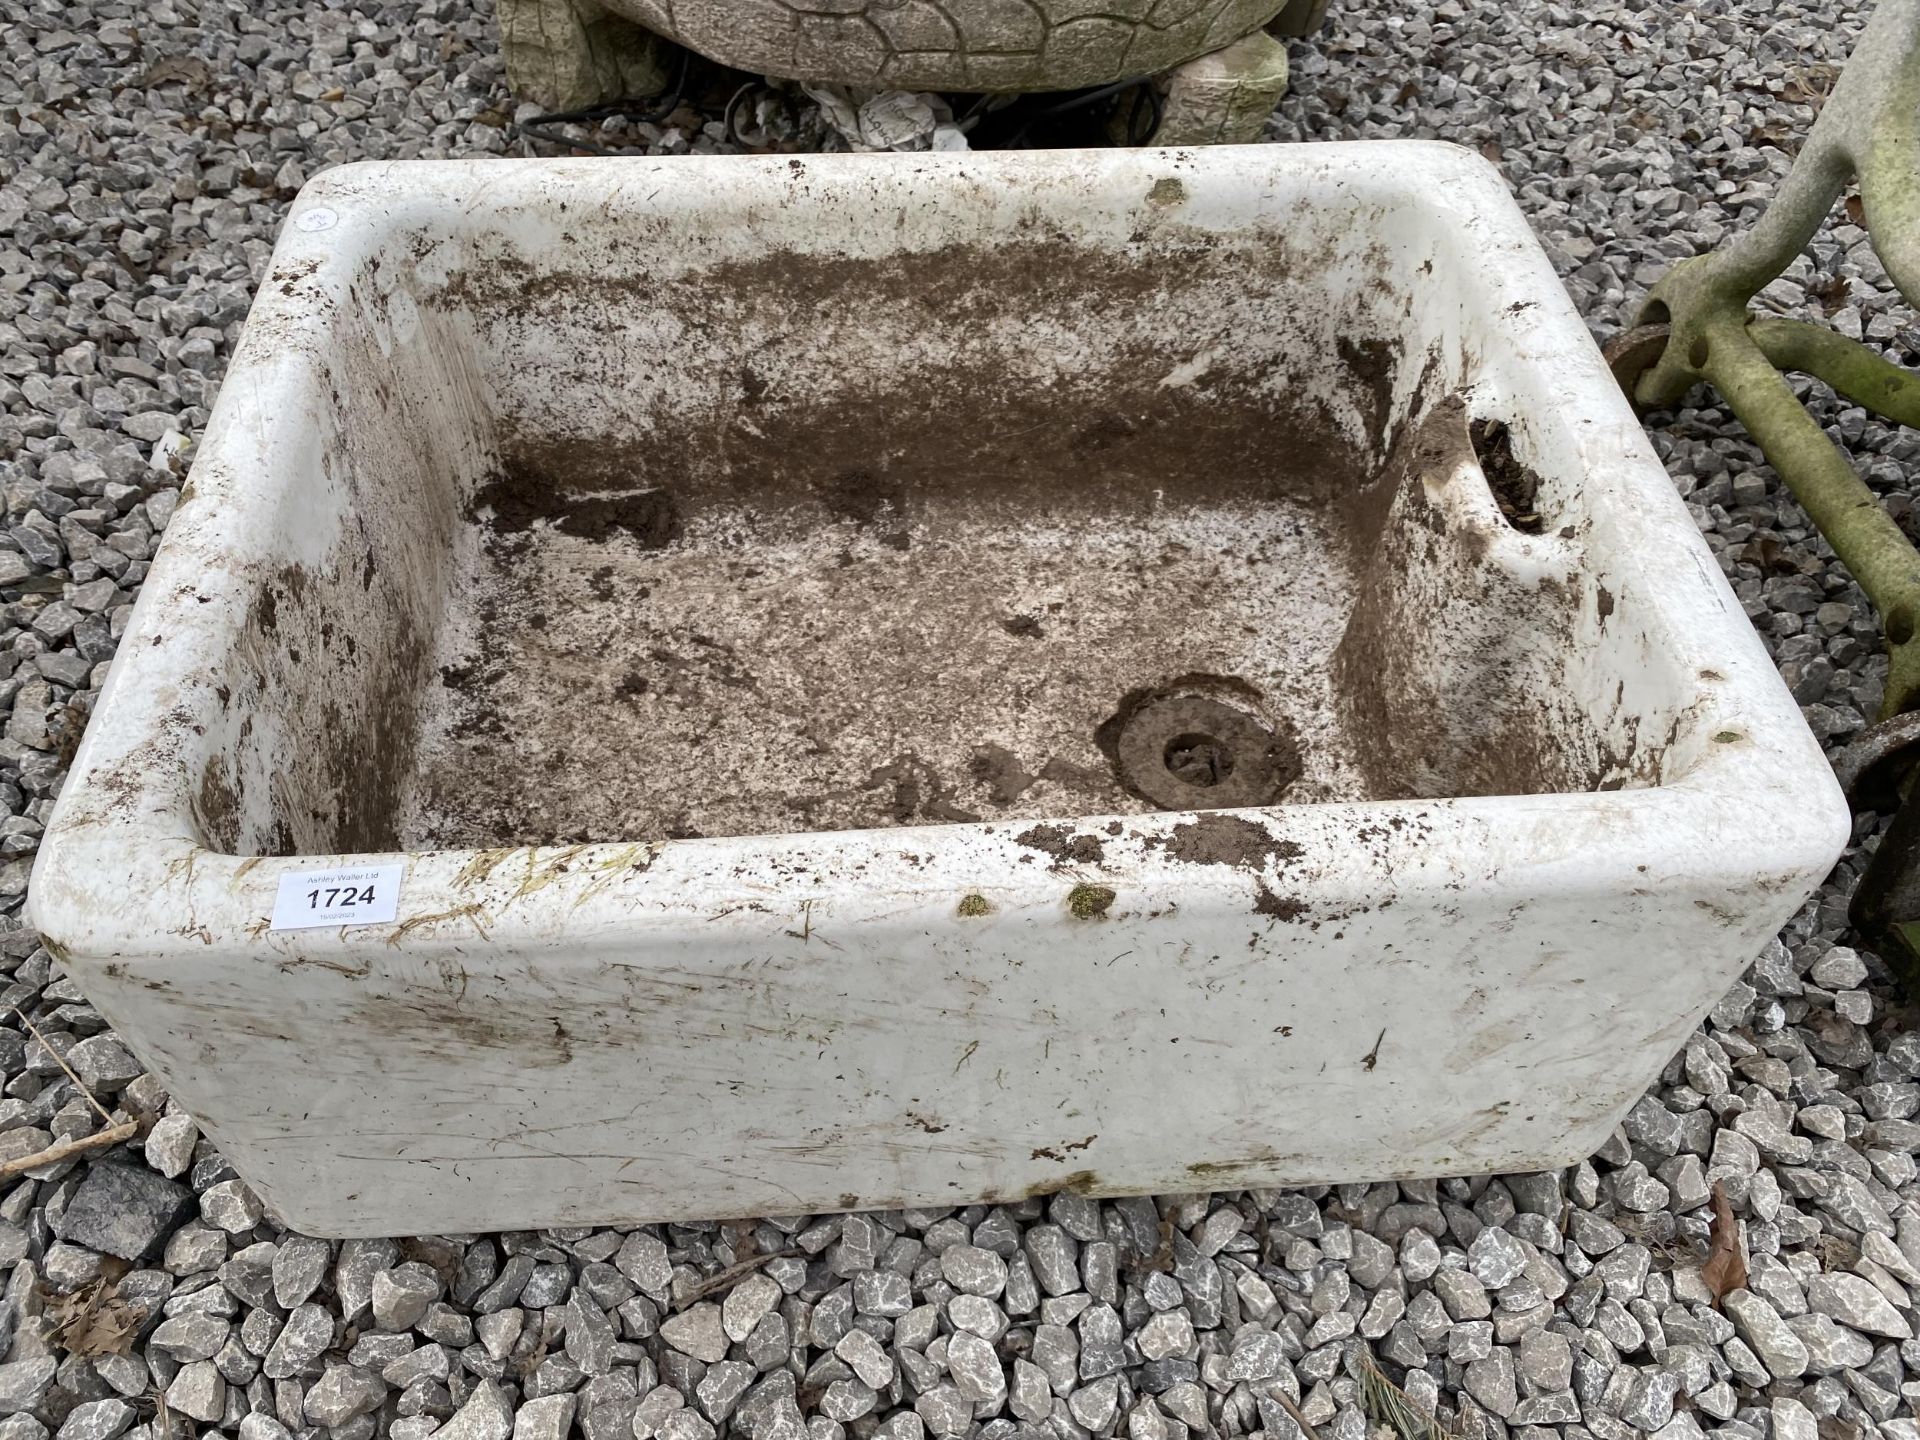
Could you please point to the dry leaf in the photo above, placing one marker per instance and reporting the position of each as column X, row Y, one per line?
column 1810, row 84
column 1726, row 1267
column 531, row 1361
column 1831, row 291
column 188, row 70
column 93, row 1320
column 1385, row 1403
column 1162, row 1256
column 1770, row 557
column 1835, row 1253
column 1763, row 552
column 1856, row 210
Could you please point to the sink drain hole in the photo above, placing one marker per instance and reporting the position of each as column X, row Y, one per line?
column 1196, row 759
column 1181, row 750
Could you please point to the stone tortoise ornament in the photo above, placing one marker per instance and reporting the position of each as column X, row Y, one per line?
column 1217, row 61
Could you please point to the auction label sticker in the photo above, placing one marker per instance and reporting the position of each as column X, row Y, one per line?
column 368, row 895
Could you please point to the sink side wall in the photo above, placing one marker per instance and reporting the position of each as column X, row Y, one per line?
column 783, row 1045
column 1485, row 657
column 313, row 729
column 961, row 337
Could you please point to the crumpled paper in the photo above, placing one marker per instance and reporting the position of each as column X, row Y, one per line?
column 890, row 120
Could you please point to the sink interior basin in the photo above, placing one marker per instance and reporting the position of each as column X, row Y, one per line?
column 745, row 535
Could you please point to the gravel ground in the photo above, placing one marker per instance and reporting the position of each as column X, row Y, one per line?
column 147, row 153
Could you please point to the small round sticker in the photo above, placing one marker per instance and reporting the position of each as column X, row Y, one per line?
column 319, row 218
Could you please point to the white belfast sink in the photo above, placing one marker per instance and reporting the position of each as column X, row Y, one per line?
column 760, row 611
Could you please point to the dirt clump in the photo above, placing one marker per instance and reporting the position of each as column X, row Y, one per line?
column 520, row 496
column 1104, row 434
column 870, row 503
column 918, row 793
column 1069, row 776
column 217, row 809
column 1374, row 363
column 1000, row 770
column 1066, row 847
column 1220, row 839
column 1280, row 907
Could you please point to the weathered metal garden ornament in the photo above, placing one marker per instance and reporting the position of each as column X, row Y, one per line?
column 1221, row 69
column 1695, row 327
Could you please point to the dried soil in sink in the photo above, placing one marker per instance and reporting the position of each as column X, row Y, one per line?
column 880, row 631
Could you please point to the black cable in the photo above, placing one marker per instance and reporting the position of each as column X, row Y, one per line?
column 1089, row 97
column 540, row 127
column 1156, row 112
column 1080, row 102
column 733, row 106
column 975, row 112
